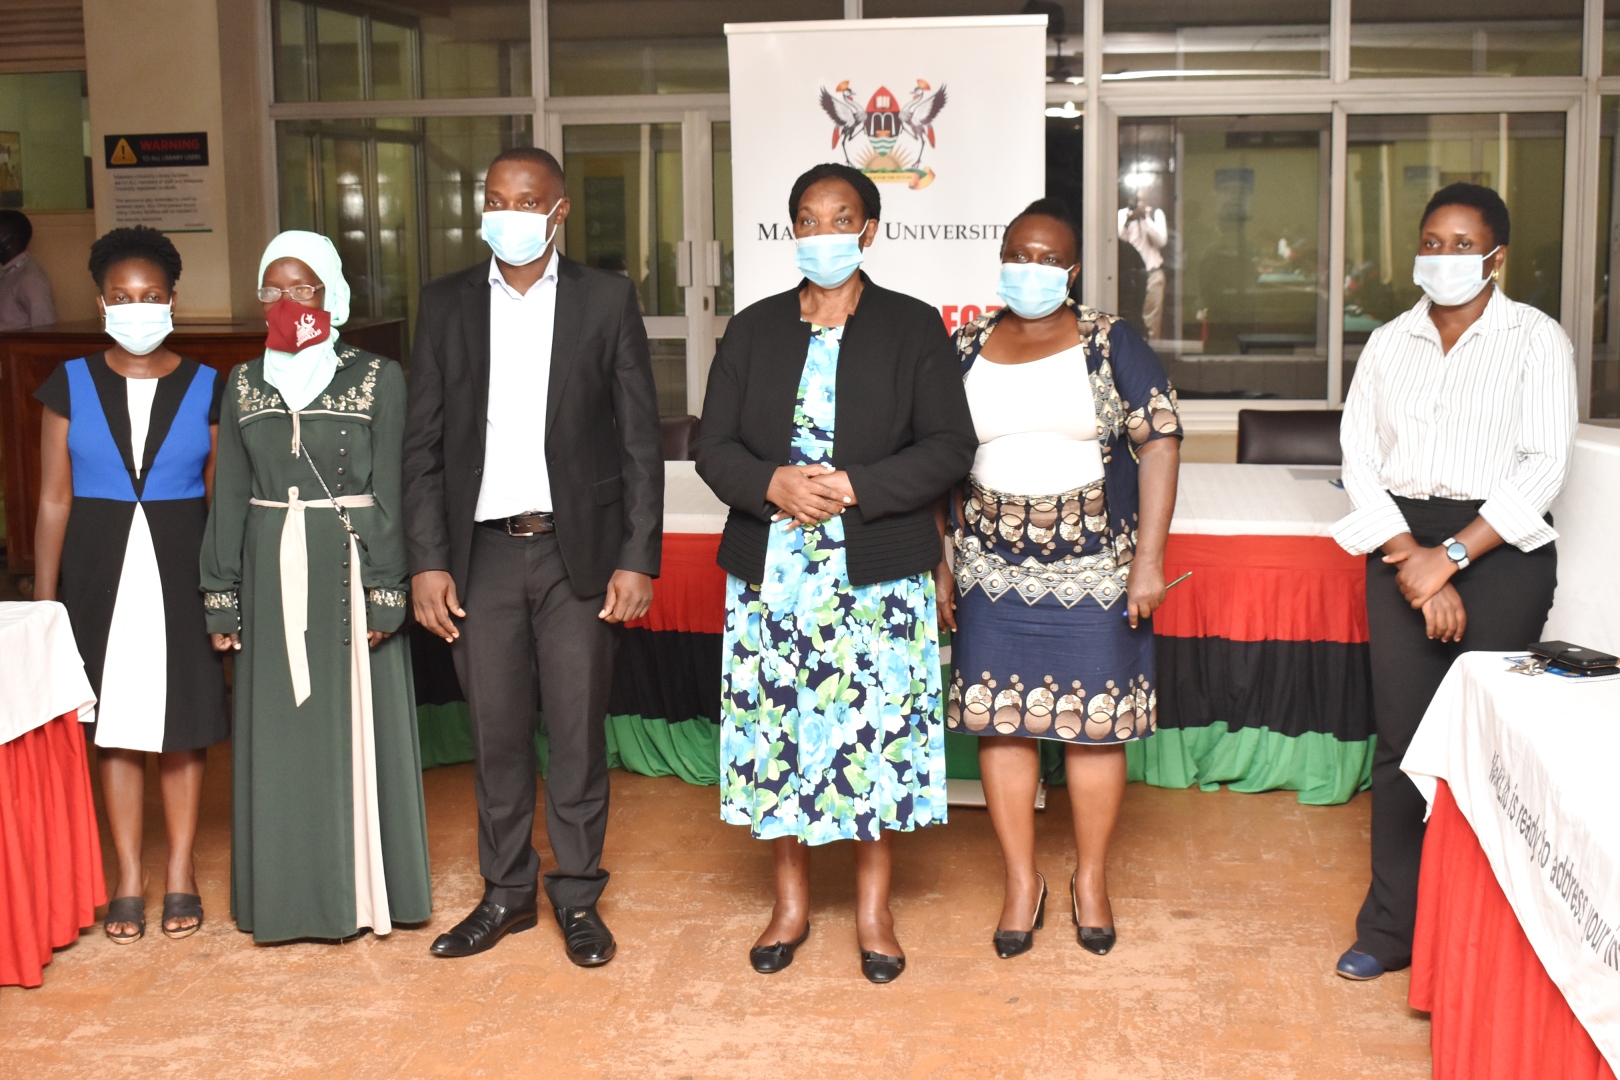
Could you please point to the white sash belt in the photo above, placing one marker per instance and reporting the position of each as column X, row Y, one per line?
column 295, row 580
column 370, row 883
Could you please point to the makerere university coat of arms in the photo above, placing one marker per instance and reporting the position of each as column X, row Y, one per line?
column 885, row 140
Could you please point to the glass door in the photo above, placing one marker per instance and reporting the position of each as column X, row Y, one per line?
column 644, row 204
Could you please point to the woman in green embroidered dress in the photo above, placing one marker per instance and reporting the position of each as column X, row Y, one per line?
column 304, row 572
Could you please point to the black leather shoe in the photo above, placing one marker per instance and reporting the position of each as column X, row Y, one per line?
column 1011, row 943
column 769, row 959
column 1093, row 939
column 586, row 937
column 488, row 923
column 881, row 969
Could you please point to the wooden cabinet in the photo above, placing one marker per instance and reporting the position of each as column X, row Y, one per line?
column 28, row 356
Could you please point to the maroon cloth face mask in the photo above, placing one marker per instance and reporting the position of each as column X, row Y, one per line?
column 294, row 327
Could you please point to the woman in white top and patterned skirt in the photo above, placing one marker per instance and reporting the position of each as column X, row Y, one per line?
column 127, row 447
column 1457, row 435
column 1059, row 561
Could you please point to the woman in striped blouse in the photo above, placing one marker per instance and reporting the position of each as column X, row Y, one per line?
column 1457, row 435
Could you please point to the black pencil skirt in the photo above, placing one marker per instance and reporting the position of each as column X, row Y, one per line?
column 1506, row 594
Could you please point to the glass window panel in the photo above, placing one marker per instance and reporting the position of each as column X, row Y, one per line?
column 44, row 141
column 1065, row 153
column 1215, row 39
column 394, row 51
column 625, row 210
column 1442, row 37
column 725, row 293
column 291, row 50
column 338, row 71
column 669, row 374
column 1606, row 320
column 1611, row 37
column 655, row 46
column 400, row 198
column 394, row 66
column 1235, row 299
column 1396, row 163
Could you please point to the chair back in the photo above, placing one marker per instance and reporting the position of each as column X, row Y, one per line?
column 1289, row 437
column 677, row 433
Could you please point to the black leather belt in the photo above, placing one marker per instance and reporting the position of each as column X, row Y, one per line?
column 531, row 524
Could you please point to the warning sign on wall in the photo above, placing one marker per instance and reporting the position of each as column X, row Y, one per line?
column 161, row 181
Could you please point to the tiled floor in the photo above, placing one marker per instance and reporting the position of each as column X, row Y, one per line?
column 1231, row 910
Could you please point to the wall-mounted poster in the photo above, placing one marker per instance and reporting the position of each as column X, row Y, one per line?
column 944, row 114
column 160, row 181
column 11, row 180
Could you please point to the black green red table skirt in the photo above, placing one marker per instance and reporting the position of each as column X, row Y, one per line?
column 1262, row 658
column 50, row 848
column 1495, row 1013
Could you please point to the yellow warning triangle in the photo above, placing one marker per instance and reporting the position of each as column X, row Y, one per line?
column 122, row 154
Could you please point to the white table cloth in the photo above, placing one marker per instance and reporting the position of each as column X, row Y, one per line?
column 41, row 674
column 1531, row 762
column 1258, row 500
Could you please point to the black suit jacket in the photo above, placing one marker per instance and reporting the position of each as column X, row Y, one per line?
column 600, row 431
column 903, row 429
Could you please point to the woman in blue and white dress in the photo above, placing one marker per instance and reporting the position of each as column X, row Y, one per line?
column 834, row 423
column 128, row 461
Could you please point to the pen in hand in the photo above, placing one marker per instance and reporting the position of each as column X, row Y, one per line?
column 1127, row 612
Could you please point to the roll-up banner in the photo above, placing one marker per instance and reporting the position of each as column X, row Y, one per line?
column 947, row 116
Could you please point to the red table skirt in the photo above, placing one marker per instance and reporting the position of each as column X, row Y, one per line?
column 1496, row 1015
column 50, row 849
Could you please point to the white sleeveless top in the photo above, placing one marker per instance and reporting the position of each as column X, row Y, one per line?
column 1037, row 425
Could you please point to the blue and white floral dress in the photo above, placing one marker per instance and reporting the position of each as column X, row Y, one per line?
column 831, row 725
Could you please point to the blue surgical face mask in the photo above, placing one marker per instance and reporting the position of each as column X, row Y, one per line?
column 138, row 328
column 1450, row 280
column 829, row 258
column 518, row 237
column 1033, row 290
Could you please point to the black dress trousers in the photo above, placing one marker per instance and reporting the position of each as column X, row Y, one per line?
column 1506, row 594
column 523, row 620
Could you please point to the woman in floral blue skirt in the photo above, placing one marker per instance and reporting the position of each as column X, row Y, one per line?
column 833, row 424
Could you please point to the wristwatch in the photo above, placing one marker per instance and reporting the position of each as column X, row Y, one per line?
column 1456, row 551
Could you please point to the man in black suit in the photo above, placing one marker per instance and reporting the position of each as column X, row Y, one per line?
column 534, row 491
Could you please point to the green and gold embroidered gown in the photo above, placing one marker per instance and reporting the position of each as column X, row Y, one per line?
column 328, row 831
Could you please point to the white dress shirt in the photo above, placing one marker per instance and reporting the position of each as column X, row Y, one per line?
column 1147, row 234
column 1494, row 419
column 515, row 480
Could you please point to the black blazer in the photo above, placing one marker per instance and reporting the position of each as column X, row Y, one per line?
column 903, row 432
column 601, row 436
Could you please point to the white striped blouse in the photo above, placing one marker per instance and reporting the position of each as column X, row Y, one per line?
column 1494, row 419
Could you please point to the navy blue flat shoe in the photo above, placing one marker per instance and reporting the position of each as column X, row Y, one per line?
column 1358, row 966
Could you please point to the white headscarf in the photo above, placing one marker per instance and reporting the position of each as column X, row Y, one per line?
column 301, row 376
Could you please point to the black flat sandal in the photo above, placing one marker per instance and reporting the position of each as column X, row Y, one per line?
column 881, row 969
column 125, row 909
column 1093, row 939
column 769, row 959
column 181, row 905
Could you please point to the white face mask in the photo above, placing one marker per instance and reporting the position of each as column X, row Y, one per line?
column 138, row 328
column 517, row 236
column 1450, row 280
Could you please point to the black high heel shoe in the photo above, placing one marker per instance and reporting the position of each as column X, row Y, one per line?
column 1093, row 939
column 1011, row 943
column 769, row 959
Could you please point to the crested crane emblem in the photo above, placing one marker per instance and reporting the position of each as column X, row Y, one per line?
column 885, row 138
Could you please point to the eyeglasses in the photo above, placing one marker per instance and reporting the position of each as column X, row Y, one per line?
column 302, row 293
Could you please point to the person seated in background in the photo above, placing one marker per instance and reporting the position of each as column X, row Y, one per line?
column 25, row 291
column 1457, row 437
column 1143, row 227
column 127, row 468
